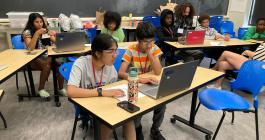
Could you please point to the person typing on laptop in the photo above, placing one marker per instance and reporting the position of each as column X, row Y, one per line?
column 145, row 56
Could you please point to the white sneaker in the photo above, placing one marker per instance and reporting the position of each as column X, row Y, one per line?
column 63, row 92
column 213, row 86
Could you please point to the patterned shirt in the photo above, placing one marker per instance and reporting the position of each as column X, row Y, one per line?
column 139, row 59
column 210, row 33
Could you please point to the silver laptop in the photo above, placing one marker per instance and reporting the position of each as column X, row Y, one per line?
column 173, row 79
column 70, row 41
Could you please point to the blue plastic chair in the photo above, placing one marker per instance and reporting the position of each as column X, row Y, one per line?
column 153, row 19
column 227, row 27
column 91, row 33
column 241, row 32
column 251, row 78
column 17, row 42
column 117, row 62
column 215, row 22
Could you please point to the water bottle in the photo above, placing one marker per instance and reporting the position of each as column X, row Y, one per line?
column 133, row 85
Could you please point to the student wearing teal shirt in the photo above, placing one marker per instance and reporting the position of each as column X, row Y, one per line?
column 257, row 32
column 112, row 22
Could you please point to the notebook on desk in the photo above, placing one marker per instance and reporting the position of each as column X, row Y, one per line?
column 70, row 41
column 174, row 78
column 194, row 37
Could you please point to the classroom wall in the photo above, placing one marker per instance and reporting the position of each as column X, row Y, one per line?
column 238, row 12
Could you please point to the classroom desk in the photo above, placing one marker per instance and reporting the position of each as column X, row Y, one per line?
column 55, row 55
column 1, row 94
column 102, row 108
column 15, row 60
column 207, row 44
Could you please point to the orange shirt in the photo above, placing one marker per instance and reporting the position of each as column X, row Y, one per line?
column 139, row 59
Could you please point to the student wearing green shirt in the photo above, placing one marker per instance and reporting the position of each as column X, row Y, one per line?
column 112, row 22
column 257, row 32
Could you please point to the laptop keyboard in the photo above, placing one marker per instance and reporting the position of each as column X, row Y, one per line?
column 149, row 89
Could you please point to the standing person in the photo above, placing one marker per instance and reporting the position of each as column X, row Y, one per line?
column 37, row 36
column 145, row 57
column 257, row 32
column 89, row 73
column 168, row 32
column 112, row 22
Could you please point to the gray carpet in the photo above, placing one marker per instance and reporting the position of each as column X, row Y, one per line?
column 40, row 120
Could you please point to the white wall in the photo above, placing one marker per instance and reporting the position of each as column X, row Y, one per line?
column 238, row 12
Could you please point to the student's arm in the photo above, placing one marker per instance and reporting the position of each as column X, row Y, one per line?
column 162, row 36
column 31, row 41
column 76, row 92
column 155, row 63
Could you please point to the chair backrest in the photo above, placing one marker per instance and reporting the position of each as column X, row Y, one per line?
column 65, row 70
column 153, row 19
column 241, row 32
column 251, row 77
column 215, row 22
column 91, row 33
column 227, row 27
column 117, row 62
column 17, row 42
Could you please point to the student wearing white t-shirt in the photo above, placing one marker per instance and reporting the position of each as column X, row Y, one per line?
column 89, row 73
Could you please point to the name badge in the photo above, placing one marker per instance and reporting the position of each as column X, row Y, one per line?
column 180, row 30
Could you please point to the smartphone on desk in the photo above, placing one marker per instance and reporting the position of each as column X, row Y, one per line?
column 128, row 106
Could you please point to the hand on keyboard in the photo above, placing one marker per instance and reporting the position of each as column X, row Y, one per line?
column 149, row 80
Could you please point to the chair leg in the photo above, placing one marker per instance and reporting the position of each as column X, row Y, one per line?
column 1, row 115
column 219, row 125
column 198, row 106
column 26, row 80
column 17, row 81
column 115, row 135
column 257, row 124
column 233, row 117
column 74, row 127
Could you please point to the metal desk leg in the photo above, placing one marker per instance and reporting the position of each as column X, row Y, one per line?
column 96, row 124
column 32, row 86
column 191, row 121
column 55, row 86
column 128, row 35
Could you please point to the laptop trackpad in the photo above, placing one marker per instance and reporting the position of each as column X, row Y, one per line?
column 149, row 89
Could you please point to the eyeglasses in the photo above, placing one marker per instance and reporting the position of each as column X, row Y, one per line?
column 111, row 51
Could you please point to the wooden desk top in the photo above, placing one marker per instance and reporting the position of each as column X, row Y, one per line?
column 16, row 59
column 1, row 94
column 105, row 108
column 207, row 43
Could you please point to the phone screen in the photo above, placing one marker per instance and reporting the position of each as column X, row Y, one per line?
column 128, row 106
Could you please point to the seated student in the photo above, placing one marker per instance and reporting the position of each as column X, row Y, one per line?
column 257, row 32
column 89, row 73
column 32, row 36
column 232, row 61
column 210, row 33
column 112, row 22
column 168, row 32
column 145, row 56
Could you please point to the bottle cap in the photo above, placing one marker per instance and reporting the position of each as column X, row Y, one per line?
column 133, row 72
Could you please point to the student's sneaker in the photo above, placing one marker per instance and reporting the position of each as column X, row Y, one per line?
column 63, row 92
column 213, row 86
column 155, row 134
column 44, row 94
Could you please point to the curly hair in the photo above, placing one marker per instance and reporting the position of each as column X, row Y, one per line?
column 180, row 9
column 110, row 16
